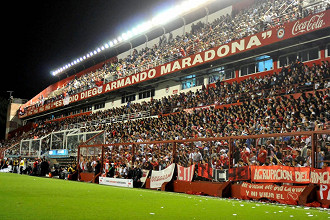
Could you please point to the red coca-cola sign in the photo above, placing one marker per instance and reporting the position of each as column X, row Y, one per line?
column 315, row 22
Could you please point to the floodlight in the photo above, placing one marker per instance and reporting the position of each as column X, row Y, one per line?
column 135, row 31
column 129, row 34
column 160, row 19
column 124, row 36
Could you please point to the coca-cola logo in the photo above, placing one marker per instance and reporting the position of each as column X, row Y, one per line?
column 315, row 22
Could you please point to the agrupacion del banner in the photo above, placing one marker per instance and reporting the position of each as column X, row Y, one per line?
column 273, row 35
column 283, row 174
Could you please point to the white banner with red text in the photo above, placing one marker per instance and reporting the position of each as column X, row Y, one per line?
column 160, row 177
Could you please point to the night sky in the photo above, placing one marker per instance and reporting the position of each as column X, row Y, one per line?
column 41, row 36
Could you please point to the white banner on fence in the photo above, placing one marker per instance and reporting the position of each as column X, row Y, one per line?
column 186, row 173
column 116, row 182
column 160, row 177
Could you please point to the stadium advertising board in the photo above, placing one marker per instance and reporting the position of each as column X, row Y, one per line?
column 273, row 35
column 284, row 194
column 160, row 177
column 116, row 182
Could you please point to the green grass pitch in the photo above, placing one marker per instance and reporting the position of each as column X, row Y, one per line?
column 28, row 197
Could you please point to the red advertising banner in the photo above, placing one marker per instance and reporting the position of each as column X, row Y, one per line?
column 284, row 174
column 283, row 194
column 324, row 192
column 273, row 35
column 320, row 176
column 323, row 195
column 186, row 173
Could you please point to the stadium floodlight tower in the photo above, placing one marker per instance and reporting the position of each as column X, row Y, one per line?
column 163, row 18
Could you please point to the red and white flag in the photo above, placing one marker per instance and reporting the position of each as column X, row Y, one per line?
column 186, row 173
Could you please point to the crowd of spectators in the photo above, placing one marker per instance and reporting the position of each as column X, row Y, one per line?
column 29, row 166
column 264, row 105
column 258, row 17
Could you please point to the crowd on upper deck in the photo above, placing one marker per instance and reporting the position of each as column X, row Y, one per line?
column 258, row 17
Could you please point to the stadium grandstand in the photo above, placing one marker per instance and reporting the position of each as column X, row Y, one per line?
column 219, row 92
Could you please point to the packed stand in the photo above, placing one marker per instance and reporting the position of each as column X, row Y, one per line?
column 260, row 16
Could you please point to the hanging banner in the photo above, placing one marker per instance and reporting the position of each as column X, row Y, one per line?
column 205, row 170
column 186, row 173
column 160, row 177
column 145, row 174
column 284, row 194
column 320, row 176
column 284, row 174
column 239, row 173
column 323, row 194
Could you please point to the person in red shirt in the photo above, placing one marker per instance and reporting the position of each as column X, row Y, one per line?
column 262, row 155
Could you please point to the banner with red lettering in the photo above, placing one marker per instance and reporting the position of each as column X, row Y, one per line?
column 186, row 173
column 320, row 176
column 283, row 194
column 284, row 174
column 160, row 177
